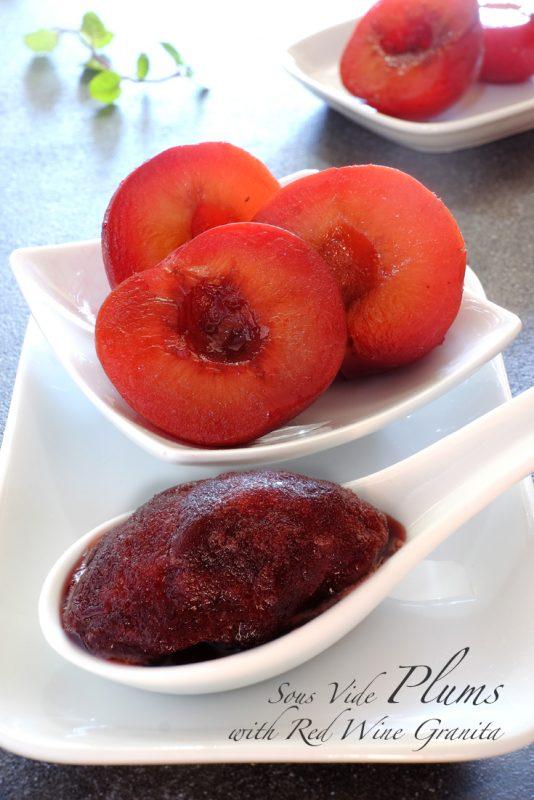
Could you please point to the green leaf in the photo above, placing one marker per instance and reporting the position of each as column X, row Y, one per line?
column 94, row 65
column 143, row 65
column 173, row 52
column 105, row 87
column 95, row 31
column 92, row 26
column 42, row 41
column 103, row 40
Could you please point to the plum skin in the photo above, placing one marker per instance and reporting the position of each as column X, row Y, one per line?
column 175, row 196
column 396, row 252
column 508, row 51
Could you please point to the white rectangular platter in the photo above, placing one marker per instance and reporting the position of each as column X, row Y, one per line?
column 64, row 468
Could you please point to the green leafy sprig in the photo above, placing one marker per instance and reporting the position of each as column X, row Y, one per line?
column 105, row 84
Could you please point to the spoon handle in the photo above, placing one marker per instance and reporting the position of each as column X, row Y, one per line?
column 446, row 484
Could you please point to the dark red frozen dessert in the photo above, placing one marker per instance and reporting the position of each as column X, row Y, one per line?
column 231, row 561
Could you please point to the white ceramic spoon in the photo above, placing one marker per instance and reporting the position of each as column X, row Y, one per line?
column 431, row 493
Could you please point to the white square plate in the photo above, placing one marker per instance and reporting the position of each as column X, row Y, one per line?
column 65, row 286
column 64, row 468
column 485, row 113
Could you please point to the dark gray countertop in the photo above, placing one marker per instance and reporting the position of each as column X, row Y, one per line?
column 61, row 158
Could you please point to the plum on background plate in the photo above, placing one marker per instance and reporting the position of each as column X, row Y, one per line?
column 508, row 42
column 413, row 58
column 228, row 338
column 230, row 561
column 175, row 196
column 396, row 251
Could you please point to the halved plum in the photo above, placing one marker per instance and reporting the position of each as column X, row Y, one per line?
column 175, row 196
column 229, row 337
column 508, row 42
column 413, row 58
column 396, row 251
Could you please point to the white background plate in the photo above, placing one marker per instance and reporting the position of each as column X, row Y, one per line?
column 485, row 113
column 64, row 469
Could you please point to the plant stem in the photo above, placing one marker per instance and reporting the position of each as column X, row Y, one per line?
column 182, row 72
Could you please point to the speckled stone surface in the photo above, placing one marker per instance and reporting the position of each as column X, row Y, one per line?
column 506, row 778
column 61, row 158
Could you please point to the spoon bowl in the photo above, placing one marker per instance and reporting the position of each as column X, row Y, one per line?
column 431, row 493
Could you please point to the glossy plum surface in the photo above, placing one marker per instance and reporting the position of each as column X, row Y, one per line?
column 176, row 195
column 508, row 42
column 395, row 250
